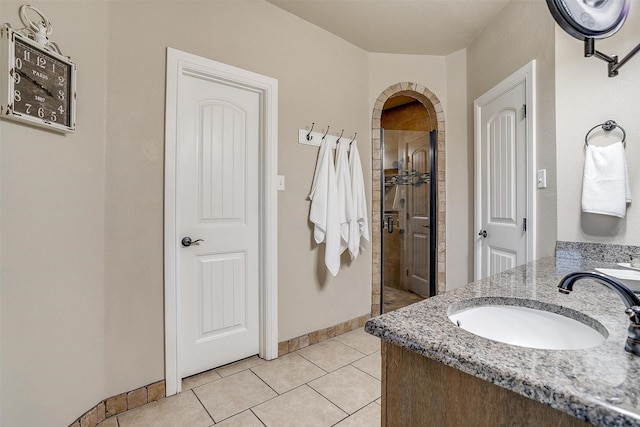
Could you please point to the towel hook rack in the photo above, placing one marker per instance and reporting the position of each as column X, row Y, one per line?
column 325, row 134
column 607, row 126
column 309, row 136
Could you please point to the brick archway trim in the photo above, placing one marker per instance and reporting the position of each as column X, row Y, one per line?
column 434, row 107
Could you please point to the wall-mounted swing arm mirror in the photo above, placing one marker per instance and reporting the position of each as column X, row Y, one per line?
column 588, row 20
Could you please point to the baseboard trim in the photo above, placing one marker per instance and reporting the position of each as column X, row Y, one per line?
column 120, row 403
column 315, row 337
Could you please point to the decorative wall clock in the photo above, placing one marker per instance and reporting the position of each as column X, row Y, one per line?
column 38, row 83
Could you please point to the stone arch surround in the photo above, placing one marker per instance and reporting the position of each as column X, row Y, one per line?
column 434, row 108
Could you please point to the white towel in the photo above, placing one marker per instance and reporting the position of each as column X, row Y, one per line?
column 605, row 184
column 324, row 207
column 390, row 197
column 345, row 201
column 359, row 228
column 398, row 200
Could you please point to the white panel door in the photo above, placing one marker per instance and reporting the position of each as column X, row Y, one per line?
column 502, row 238
column 417, row 215
column 217, row 201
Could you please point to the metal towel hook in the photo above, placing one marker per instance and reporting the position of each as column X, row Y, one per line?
column 354, row 138
column 325, row 134
column 338, row 140
column 309, row 136
column 607, row 126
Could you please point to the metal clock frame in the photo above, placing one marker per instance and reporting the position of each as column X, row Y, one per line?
column 7, row 68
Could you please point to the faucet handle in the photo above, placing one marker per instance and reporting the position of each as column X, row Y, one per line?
column 634, row 314
column 632, row 345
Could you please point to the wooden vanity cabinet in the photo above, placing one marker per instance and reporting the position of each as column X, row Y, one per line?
column 418, row 391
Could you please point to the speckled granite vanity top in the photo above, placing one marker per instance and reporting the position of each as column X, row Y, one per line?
column 600, row 385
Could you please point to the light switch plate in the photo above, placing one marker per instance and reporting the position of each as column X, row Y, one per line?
column 280, row 182
column 542, row 178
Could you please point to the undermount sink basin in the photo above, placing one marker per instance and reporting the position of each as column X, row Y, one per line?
column 527, row 327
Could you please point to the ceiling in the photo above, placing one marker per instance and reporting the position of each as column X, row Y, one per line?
column 421, row 27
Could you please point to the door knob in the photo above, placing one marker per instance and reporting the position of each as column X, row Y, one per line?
column 186, row 242
column 483, row 233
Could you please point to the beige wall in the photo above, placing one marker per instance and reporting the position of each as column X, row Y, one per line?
column 459, row 173
column 82, row 283
column 523, row 31
column 52, row 236
column 585, row 98
column 446, row 78
column 320, row 80
column 388, row 69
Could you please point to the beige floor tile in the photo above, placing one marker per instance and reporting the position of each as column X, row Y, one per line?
column 200, row 379
column 299, row 407
column 183, row 409
column 395, row 298
column 233, row 394
column 239, row 366
column 330, row 355
column 361, row 341
column 109, row 422
column 287, row 372
column 348, row 387
column 243, row 419
column 369, row 416
column 372, row 365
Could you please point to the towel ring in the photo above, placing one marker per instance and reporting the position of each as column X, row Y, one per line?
column 607, row 126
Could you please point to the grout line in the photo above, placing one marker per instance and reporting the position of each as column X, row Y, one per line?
column 367, row 373
column 267, row 384
column 329, row 400
column 256, row 415
column 203, row 407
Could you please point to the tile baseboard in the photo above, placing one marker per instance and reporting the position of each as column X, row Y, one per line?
column 122, row 402
column 315, row 337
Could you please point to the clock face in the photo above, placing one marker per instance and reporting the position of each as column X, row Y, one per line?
column 42, row 85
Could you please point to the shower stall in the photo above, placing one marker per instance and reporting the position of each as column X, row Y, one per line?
column 409, row 211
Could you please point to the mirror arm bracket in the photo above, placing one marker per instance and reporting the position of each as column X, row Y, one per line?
column 612, row 61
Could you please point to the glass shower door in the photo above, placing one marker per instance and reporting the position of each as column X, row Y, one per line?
column 407, row 211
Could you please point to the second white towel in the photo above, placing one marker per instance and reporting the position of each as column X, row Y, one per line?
column 605, row 184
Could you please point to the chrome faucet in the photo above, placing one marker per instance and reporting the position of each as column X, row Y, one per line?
column 631, row 302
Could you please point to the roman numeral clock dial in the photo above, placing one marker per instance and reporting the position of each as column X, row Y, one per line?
column 41, row 84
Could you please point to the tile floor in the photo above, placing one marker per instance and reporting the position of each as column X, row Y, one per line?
column 332, row 383
column 395, row 298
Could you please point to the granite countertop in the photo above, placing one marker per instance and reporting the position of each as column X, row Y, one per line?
column 599, row 385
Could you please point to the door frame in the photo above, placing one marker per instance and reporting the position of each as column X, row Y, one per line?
column 177, row 63
column 526, row 74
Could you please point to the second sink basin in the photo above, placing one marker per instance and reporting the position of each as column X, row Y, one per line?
column 527, row 327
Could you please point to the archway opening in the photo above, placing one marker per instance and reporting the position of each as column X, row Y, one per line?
column 408, row 108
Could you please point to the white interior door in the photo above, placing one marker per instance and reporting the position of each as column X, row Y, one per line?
column 417, row 215
column 501, row 159
column 218, row 202
column 221, row 163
